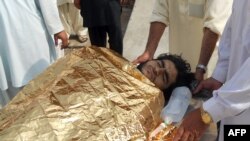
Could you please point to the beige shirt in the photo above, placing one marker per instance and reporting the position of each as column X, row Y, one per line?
column 186, row 19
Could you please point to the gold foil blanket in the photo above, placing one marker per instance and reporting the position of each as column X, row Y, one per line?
column 84, row 96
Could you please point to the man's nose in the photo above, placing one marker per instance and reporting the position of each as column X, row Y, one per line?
column 160, row 71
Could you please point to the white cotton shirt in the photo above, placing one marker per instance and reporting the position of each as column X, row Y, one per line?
column 186, row 20
column 26, row 44
column 231, row 102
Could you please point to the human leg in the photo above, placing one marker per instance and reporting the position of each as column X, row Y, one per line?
column 65, row 17
column 97, row 36
column 115, row 38
column 77, row 23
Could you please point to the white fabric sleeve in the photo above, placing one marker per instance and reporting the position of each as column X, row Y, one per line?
column 3, row 79
column 220, row 71
column 160, row 12
column 51, row 16
column 216, row 14
column 233, row 97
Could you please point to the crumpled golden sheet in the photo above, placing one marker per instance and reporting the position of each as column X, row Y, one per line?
column 87, row 95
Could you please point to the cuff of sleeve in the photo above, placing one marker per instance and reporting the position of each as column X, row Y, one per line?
column 214, row 28
column 53, row 31
column 156, row 17
column 214, row 108
column 219, row 75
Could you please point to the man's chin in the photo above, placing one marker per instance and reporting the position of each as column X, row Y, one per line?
column 146, row 75
column 140, row 67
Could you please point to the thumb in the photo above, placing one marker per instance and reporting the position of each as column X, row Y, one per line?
column 179, row 134
column 64, row 43
column 136, row 61
column 139, row 60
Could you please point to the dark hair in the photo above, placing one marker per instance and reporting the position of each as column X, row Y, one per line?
column 184, row 76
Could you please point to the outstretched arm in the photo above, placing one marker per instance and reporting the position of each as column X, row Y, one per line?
column 52, row 21
column 209, row 41
column 159, row 21
column 215, row 18
column 155, row 33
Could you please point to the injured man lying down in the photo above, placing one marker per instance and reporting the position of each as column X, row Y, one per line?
column 94, row 94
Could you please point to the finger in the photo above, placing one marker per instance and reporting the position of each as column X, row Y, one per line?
column 185, row 136
column 139, row 60
column 197, row 135
column 135, row 62
column 179, row 134
column 197, row 138
column 191, row 137
column 65, row 43
column 64, row 46
column 198, row 88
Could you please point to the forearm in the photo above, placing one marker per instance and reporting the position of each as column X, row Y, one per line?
column 208, row 44
column 233, row 97
column 155, row 33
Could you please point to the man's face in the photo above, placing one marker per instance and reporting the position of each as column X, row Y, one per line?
column 162, row 73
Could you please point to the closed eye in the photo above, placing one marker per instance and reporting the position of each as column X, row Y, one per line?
column 165, row 75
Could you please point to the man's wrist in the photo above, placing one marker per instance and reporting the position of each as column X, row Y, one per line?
column 205, row 116
column 201, row 67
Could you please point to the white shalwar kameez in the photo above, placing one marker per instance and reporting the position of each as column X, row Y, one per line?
column 186, row 20
column 231, row 103
column 26, row 43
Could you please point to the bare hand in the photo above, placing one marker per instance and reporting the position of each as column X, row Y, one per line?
column 209, row 84
column 63, row 36
column 143, row 58
column 77, row 4
column 191, row 128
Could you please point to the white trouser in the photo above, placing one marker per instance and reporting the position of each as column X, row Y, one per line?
column 71, row 19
